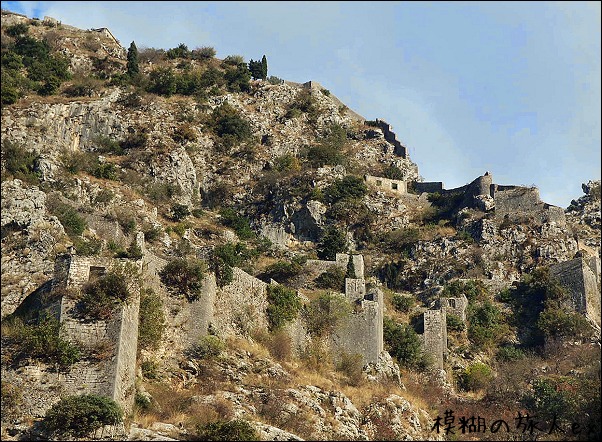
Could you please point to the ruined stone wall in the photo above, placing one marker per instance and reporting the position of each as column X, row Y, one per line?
column 241, row 305
column 397, row 186
column 114, row 376
column 400, row 149
column 581, row 278
column 428, row 187
column 435, row 335
column 355, row 288
column 455, row 306
column 320, row 266
column 516, row 200
column 362, row 332
column 199, row 313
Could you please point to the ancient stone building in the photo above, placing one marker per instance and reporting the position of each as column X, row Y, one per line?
column 396, row 186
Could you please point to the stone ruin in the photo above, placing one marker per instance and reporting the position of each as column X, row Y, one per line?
column 435, row 326
column 112, row 373
column 581, row 278
column 508, row 202
column 362, row 333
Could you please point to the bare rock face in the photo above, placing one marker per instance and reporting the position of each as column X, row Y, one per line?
column 308, row 220
column 176, row 168
column 29, row 240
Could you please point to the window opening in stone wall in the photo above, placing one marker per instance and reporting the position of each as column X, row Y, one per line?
column 379, row 183
column 96, row 272
column 394, row 186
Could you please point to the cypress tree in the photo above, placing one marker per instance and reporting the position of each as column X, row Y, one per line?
column 264, row 68
column 350, row 268
column 132, row 63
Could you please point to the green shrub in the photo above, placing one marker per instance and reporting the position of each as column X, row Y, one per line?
column 12, row 398
column 404, row 343
column 487, row 326
column 72, row 222
column 152, row 233
column 282, row 271
column 16, row 29
column 234, row 430
column 181, row 51
column 78, row 416
column 454, row 323
column 106, row 145
column 229, row 125
column 238, row 78
column 184, row 276
column 151, row 320
column 203, row 53
column 133, row 252
column 150, row 369
column 275, row 80
column 19, row 162
column 475, row 290
column 127, row 222
column 104, row 196
column 179, row 212
column 304, row 102
column 240, row 224
column 41, row 340
column 105, row 170
column 333, row 278
column 393, row 172
column 327, row 312
column 209, row 347
column 100, row 297
column 333, row 241
column 162, row 81
column 134, row 140
column 403, row 303
column 322, row 155
column 142, row 401
column 225, row 257
column 509, row 353
column 87, row 247
column 283, row 305
column 349, row 187
column 556, row 322
column 477, row 376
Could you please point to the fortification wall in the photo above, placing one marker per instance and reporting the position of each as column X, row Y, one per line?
column 428, row 187
column 124, row 377
column 320, row 266
column 396, row 186
column 435, row 335
column 400, row 150
column 241, row 305
column 455, row 306
column 362, row 332
column 581, row 278
column 355, row 288
column 511, row 201
column 199, row 314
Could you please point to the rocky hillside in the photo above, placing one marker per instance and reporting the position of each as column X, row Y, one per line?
column 191, row 224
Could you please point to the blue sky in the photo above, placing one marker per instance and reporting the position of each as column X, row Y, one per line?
column 512, row 88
